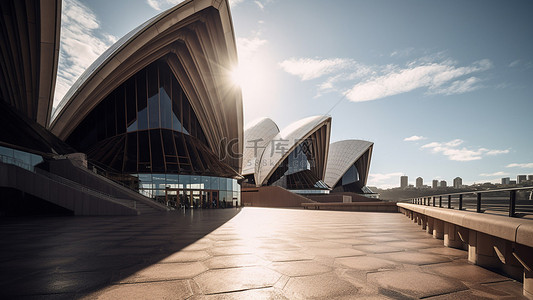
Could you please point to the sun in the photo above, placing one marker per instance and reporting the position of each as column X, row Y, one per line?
column 237, row 76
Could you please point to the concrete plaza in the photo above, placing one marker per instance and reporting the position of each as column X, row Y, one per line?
column 253, row 253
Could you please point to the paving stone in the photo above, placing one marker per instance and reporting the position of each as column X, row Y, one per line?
column 414, row 284
column 377, row 248
column 352, row 241
column 287, row 256
column 319, row 287
column 300, row 268
column 365, row 263
column 153, row 290
column 255, row 294
column 335, row 252
column 447, row 251
column 236, row 279
column 380, row 238
column 408, row 245
column 186, row 256
column 232, row 261
column 414, row 258
column 166, row 271
column 465, row 272
column 232, row 250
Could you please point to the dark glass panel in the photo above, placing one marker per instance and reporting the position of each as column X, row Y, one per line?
column 110, row 115
column 168, row 143
column 142, row 110
column 153, row 97
column 350, row 176
column 158, row 162
column 183, row 155
column 120, row 109
column 131, row 105
column 144, row 152
column 176, row 105
column 100, row 122
column 130, row 157
column 118, row 153
column 165, row 92
column 186, row 114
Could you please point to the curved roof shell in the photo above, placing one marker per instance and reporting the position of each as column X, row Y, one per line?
column 198, row 39
column 256, row 137
column 287, row 140
column 29, row 52
column 342, row 155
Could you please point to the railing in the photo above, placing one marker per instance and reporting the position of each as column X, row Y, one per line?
column 472, row 200
column 59, row 179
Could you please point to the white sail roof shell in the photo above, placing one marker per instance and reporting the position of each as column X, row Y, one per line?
column 285, row 142
column 256, row 136
column 342, row 155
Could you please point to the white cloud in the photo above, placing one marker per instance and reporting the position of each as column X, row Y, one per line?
column 247, row 47
column 514, row 63
column 309, row 68
column 386, row 180
column 459, row 87
column 81, row 43
column 414, row 138
column 524, row 165
column 453, row 152
column 261, row 6
column 429, row 75
column 162, row 4
column 493, row 174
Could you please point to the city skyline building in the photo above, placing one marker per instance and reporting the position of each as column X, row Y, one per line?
column 457, row 182
column 435, row 183
column 521, row 178
column 404, row 181
column 443, row 183
column 419, row 182
column 506, row 180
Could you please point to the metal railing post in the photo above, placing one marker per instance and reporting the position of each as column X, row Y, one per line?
column 433, row 201
column 449, row 201
column 512, row 203
column 460, row 201
column 478, row 204
column 440, row 201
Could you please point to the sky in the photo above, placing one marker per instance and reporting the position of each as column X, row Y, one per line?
column 442, row 88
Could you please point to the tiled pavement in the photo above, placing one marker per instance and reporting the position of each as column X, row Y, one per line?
column 253, row 253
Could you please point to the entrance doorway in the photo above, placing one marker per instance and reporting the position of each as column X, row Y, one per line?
column 189, row 198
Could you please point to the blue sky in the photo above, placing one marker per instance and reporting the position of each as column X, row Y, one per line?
column 443, row 88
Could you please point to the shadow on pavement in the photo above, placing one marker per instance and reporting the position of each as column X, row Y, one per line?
column 62, row 257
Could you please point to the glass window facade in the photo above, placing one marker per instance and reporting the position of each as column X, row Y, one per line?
column 350, row 181
column 298, row 171
column 147, row 129
column 19, row 158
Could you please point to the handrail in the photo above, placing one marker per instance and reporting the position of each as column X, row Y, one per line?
column 59, row 179
column 426, row 200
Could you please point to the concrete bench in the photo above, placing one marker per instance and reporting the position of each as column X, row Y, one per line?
column 492, row 241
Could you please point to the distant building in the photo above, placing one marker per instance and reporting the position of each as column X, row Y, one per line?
column 435, row 184
column 506, row 180
column 443, row 183
column 512, row 182
column 530, row 177
column 521, row 178
column 419, row 182
column 457, row 182
column 403, row 181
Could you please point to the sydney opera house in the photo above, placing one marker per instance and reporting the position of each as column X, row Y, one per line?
column 155, row 117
